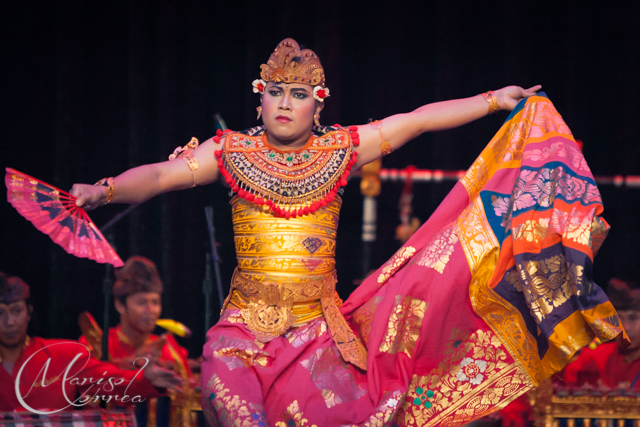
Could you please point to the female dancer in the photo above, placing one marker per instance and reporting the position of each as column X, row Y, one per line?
column 287, row 351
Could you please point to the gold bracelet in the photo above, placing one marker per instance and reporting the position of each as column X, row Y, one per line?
column 385, row 146
column 490, row 97
column 111, row 190
column 186, row 153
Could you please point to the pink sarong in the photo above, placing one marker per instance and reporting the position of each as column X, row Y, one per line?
column 489, row 297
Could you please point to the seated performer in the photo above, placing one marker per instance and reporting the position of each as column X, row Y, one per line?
column 612, row 365
column 484, row 301
column 70, row 370
column 137, row 293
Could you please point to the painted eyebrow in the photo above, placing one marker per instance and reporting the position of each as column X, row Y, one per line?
column 300, row 89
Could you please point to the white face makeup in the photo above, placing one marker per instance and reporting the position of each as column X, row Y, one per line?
column 287, row 112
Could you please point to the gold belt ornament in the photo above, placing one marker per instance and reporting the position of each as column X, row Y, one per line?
column 269, row 310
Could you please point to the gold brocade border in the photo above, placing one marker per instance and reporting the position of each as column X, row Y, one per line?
column 475, row 378
column 504, row 320
column 457, row 414
column 489, row 161
column 475, row 234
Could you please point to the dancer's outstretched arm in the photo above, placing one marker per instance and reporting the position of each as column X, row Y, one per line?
column 144, row 182
column 401, row 128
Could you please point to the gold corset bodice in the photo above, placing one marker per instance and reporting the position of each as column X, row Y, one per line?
column 294, row 250
column 286, row 273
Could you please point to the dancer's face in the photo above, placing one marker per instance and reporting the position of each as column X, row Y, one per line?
column 140, row 311
column 288, row 109
column 14, row 320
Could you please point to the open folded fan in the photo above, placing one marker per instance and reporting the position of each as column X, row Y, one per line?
column 54, row 212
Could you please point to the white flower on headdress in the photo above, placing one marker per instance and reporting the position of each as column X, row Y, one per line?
column 259, row 85
column 320, row 93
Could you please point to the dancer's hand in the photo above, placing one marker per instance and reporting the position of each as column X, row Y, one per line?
column 89, row 196
column 508, row 97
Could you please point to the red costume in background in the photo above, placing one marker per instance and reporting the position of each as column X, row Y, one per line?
column 120, row 346
column 49, row 394
column 603, row 366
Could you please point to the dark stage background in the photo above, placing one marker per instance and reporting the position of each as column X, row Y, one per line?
column 93, row 88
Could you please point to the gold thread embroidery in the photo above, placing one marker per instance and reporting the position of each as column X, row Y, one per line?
column 607, row 328
column 229, row 409
column 294, row 414
column 438, row 253
column 532, row 230
column 474, row 378
column 504, row 320
column 364, row 315
column 385, row 411
column 599, row 231
column 404, row 325
column 390, row 267
column 475, row 234
column 331, row 375
column 546, row 284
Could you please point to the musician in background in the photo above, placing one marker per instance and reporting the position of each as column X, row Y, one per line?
column 69, row 368
column 137, row 292
column 610, row 365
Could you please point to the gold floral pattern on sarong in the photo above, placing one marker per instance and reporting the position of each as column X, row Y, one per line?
column 231, row 316
column 476, row 177
column 385, row 411
column 437, row 254
column 306, row 333
column 230, row 410
column 531, row 230
column 331, row 375
column 239, row 353
column 475, row 234
column 398, row 259
column 294, row 417
column 364, row 315
column 575, row 225
column 474, row 377
column 404, row 325
column 547, row 283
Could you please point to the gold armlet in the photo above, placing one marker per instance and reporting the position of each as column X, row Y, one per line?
column 385, row 146
column 111, row 190
column 186, row 154
column 490, row 97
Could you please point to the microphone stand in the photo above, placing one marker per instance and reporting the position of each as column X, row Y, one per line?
column 107, row 282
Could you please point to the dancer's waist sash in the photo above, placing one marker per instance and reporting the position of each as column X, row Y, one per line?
column 271, row 306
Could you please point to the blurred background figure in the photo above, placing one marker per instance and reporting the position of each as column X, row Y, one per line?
column 45, row 388
column 137, row 294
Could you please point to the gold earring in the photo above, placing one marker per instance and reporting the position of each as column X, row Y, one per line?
column 259, row 110
column 316, row 119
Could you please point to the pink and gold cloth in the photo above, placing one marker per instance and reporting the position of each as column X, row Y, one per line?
column 489, row 297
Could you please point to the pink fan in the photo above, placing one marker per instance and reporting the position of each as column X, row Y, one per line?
column 54, row 212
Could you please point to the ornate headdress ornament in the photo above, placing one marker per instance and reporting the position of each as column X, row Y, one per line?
column 288, row 64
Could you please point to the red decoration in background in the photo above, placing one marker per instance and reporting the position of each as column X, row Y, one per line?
column 54, row 212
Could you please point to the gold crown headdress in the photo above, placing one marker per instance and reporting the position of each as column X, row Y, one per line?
column 288, row 64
